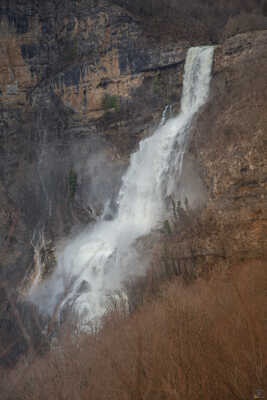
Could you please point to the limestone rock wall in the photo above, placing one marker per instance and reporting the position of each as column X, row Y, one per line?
column 77, row 78
column 229, row 148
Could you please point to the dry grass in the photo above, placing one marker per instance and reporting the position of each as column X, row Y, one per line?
column 206, row 340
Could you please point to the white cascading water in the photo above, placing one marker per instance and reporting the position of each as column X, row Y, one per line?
column 97, row 260
column 38, row 243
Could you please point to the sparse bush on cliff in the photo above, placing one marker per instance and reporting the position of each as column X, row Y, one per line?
column 110, row 101
column 157, row 85
column 70, row 51
column 72, row 183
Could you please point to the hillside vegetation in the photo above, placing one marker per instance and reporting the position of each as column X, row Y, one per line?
column 202, row 341
column 199, row 20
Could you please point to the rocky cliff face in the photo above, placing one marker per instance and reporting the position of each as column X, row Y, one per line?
column 76, row 78
column 229, row 150
column 80, row 79
column 233, row 147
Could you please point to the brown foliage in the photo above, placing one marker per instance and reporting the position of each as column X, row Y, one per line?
column 206, row 340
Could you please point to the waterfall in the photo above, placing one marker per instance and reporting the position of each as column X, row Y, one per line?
column 97, row 260
column 38, row 244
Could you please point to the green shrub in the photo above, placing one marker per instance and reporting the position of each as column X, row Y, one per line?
column 70, row 51
column 167, row 227
column 157, row 85
column 110, row 101
column 72, row 183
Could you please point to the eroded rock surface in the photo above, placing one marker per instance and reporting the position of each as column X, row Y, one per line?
column 229, row 146
column 77, row 79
